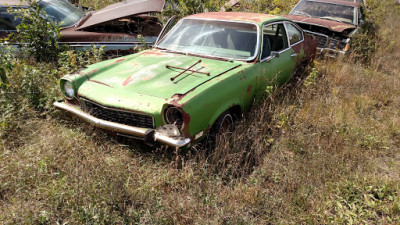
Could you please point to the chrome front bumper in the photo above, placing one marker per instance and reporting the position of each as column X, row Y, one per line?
column 145, row 133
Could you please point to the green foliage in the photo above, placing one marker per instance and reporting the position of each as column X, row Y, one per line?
column 6, row 63
column 312, row 77
column 183, row 8
column 29, row 92
column 143, row 45
column 363, row 46
column 31, row 89
column 360, row 203
column 37, row 33
column 275, row 7
column 96, row 4
column 71, row 60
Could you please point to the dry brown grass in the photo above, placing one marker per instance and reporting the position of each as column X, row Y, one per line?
column 322, row 153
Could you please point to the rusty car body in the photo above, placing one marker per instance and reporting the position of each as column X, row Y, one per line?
column 333, row 22
column 200, row 75
column 116, row 27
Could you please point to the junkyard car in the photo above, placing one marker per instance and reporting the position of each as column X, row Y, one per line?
column 201, row 74
column 332, row 22
column 116, row 27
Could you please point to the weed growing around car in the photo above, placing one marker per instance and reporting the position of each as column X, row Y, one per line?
column 323, row 150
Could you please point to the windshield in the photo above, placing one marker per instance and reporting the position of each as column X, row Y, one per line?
column 325, row 10
column 222, row 39
column 61, row 12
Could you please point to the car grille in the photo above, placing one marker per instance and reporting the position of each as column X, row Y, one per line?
column 333, row 44
column 116, row 115
column 322, row 41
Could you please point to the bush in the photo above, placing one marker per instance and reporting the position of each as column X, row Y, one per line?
column 6, row 62
column 71, row 60
column 275, row 7
column 38, row 34
column 28, row 89
column 183, row 8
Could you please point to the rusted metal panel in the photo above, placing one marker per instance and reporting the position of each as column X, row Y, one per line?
column 341, row 2
column 235, row 16
column 121, row 10
column 332, row 25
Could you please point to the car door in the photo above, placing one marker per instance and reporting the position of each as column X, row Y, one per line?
column 277, row 59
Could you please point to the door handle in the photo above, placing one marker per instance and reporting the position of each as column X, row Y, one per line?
column 293, row 55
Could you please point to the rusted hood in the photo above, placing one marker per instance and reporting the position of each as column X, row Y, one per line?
column 121, row 10
column 332, row 25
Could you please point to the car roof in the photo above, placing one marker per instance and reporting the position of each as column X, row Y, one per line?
column 339, row 2
column 13, row 3
column 238, row 16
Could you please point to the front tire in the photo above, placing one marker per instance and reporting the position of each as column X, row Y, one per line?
column 221, row 131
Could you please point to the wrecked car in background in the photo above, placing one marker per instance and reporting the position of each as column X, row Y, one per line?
column 200, row 76
column 116, row 27
column 333, row 22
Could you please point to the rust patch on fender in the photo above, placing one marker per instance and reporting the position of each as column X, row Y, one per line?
column 148, row 77
column 128, row 80
column 154, row 52
column 93, row 71
column 120, row 60
column 99, row 82
column 116, row 61
column 249, row 88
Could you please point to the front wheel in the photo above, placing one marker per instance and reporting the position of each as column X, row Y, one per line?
column 221, row 131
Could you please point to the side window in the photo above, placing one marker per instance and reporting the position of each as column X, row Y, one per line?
column 274, row 39
column 294, row 34
column 7, row 20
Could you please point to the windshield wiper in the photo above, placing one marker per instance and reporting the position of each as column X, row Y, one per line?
column 194, row 54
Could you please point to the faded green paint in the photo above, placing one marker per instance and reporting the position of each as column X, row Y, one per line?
column 142, row 83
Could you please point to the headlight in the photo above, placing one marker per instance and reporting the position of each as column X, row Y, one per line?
column 174, row 115
column 69, row 90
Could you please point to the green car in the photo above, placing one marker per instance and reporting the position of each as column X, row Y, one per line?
column 199, row 76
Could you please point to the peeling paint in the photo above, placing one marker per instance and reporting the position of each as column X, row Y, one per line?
column 235, row 16
column 249, row 88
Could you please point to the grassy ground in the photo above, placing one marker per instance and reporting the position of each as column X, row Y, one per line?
column 322, row 151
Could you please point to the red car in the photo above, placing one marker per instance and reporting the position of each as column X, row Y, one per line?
column 333, row 22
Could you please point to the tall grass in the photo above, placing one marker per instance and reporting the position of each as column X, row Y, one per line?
column 322, row 150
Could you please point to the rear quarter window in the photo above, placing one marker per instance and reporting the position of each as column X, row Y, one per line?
column 294, row 34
